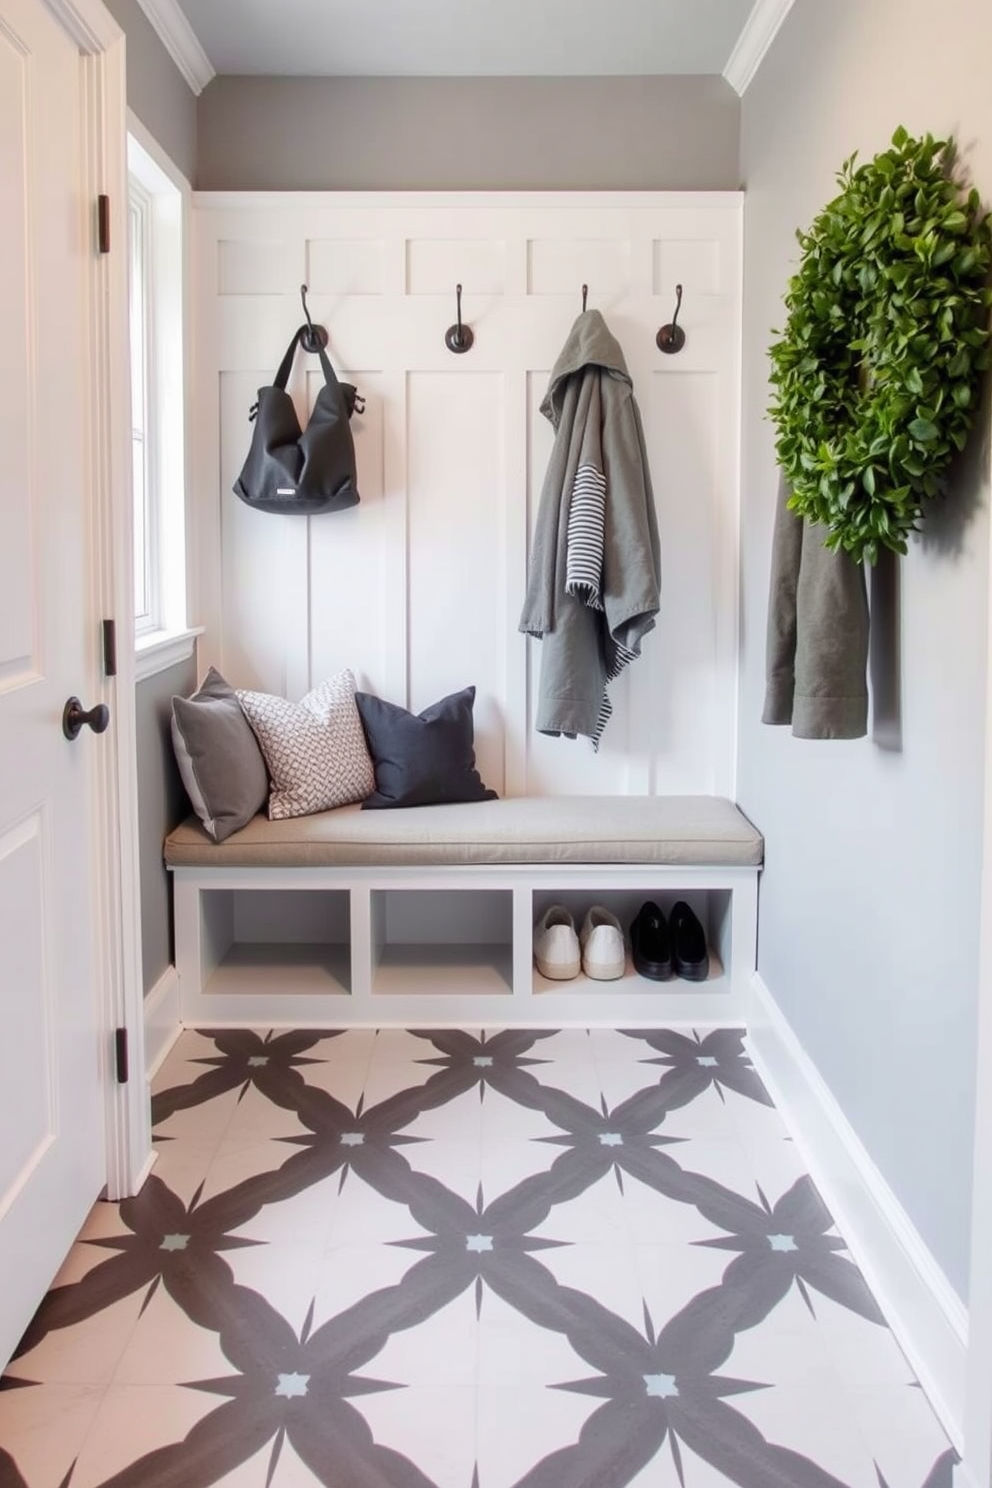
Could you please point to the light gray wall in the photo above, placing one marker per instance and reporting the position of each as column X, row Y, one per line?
column 162, row 804
column 870, row 902
column 464, row 134
column 156, row 89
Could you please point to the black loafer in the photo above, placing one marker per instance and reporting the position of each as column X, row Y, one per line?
column 650, row 944
column 689, row 953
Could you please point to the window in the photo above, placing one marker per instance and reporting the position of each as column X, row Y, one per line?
column 155, row 218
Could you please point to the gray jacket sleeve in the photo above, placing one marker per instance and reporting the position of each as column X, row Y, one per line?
column 817, row 633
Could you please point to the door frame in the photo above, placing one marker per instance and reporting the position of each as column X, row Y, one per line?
column 114, row 865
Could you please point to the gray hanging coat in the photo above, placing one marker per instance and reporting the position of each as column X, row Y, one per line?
column 595, row 571
column 817, row 633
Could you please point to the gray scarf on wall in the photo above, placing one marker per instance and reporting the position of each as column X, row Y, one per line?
column 595, row 574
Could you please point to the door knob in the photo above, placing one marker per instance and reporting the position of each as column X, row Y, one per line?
column 73, row 718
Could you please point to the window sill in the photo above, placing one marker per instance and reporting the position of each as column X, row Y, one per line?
column 161, row 649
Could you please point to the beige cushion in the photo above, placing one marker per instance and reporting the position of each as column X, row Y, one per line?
column 704, row 830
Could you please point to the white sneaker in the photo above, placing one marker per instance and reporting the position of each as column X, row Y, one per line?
column 556, row 945
column 604, row 957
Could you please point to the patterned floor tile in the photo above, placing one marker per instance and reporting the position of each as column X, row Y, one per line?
column 440, row 1352
column 42, row 1429
column 286, row 1275
column 133, row 1421
column 364, row 1217
column 814, row 1423
column 183, row 1164
column 348, row 1274
column 901, row 1431
column 607, row 1273
column 168, row 1348
column 659, row 1198
column 465, row 1258
column 451, row 1160
column 434, row 1430
column 515, row 1353
column 504, row 1165
column 596, row 1215
column 518, row 1427
column 203, row 1123
column 670, row 1276
column 309, row 1212
column 863, row 1352
column 78, row 1349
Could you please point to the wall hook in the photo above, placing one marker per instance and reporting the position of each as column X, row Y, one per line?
column 458, row 338
column 671, row 338
column 314, row 338
column 585, row 296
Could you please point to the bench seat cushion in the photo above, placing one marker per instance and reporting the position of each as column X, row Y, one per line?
column 689, row 830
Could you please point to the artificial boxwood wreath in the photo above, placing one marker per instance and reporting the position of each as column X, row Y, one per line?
column 876, row 374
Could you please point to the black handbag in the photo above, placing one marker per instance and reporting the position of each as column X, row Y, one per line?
column 303, row 471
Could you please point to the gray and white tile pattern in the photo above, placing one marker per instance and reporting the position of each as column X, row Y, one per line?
column 465, row 1260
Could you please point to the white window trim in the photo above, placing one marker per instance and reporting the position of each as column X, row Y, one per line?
column 157, row 650
column 168, row 378
column 140, row 202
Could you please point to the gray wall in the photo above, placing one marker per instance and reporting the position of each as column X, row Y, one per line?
column 870, row 899
column 162, row 804
column 156, row 89
column 283, row 134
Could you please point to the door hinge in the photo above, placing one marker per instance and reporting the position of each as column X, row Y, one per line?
column 110, row 648
column 103, row 222
column 120, row 1049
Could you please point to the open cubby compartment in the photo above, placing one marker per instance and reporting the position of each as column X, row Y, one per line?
column 713, row 906
column 275, row 942
column 455, row 941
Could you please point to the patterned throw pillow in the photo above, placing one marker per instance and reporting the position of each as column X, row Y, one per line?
column 315, row 749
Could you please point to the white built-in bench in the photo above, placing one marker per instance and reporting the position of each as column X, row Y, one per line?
column 425, row 915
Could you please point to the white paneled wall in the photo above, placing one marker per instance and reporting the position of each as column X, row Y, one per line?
column 419, row 588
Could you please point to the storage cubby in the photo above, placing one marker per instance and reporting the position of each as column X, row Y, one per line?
column 268, row 942
column 712, row 906
column 423, row 946
column 442, row 941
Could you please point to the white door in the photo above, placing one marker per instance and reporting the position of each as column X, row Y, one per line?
column 51, row 1114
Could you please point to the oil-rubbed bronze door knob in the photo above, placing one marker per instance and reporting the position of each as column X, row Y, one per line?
column 73, row 718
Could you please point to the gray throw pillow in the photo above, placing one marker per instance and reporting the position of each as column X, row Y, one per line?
column 422, row 758
column 218, row 757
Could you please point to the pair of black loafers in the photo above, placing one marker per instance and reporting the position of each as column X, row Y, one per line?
column 664, row 948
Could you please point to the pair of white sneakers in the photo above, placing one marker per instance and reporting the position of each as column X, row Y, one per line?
column 598, row 949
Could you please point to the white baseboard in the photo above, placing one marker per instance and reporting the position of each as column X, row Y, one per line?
column 162, row 1025
column 923, row 1310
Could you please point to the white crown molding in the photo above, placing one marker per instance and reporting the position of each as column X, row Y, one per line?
column 180, row 41
column 759, row 32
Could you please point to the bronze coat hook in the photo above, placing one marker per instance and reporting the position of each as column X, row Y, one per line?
column 671, row 338
column 458, row 338
column 314, row 338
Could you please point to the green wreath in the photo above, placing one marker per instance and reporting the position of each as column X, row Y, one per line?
column 877, row 372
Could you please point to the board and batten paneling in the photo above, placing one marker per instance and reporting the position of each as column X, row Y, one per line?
column 419, row 588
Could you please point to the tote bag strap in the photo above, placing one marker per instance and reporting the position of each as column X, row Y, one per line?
column 286, row 365
column 351, row 397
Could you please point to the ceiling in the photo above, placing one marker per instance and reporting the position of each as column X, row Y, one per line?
column 467, row 38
